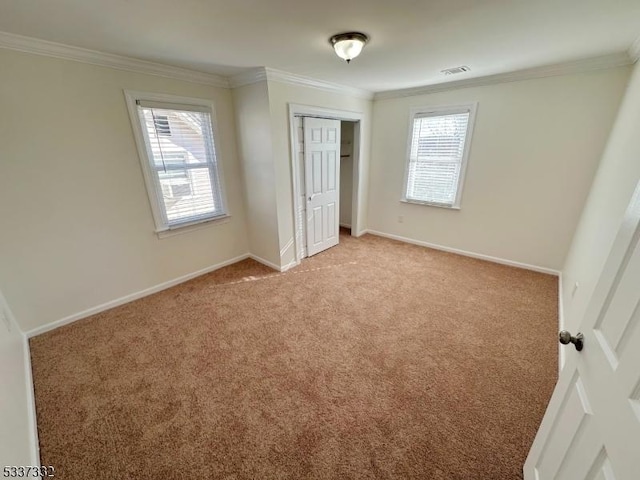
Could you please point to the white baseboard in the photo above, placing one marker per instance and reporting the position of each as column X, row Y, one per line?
column 345, row 225
column 267, row 263
column 465, row 253
column 131, row 297
column 31, row 403
column 290, row 265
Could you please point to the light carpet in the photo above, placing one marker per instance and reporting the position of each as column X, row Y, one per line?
column 372, row 360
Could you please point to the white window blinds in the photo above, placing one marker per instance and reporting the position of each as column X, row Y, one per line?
column 436, row 157
column 182, row 161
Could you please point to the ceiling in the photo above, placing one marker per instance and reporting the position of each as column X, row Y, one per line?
column 411, row 40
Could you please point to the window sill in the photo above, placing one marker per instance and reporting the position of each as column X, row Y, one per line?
column 192, row 227
column 430, row 204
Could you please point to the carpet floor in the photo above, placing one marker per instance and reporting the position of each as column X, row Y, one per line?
column 372, row 360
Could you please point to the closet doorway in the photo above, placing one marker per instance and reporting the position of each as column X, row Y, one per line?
column 326, row 152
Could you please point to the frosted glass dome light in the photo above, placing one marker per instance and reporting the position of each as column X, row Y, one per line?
column 348, row 45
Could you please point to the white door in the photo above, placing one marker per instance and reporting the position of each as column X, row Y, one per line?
column 591, row 429
column 322, row 182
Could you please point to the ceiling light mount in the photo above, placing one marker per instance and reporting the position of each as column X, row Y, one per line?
column 348, row 45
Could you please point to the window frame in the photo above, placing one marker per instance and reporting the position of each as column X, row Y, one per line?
column 440, row 111
column 152, row 180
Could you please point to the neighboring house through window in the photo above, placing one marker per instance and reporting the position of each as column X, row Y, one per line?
column 161, row 123
column 439, row 140
column 177, row 147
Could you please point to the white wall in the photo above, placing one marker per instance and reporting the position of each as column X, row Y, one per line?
column 253, row 119
column 613, row 186
column 17, row 431
column 533, row 155
column 280, row 96
column 77, row 229
column 346, row 172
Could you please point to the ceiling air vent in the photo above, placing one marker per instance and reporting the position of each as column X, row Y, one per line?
column 454, row 70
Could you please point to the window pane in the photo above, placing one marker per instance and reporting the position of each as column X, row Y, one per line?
column 435, row 159
column 187, row 195
column 434, row 182
column 162, row 126
column 184, row 133
column 182, row 156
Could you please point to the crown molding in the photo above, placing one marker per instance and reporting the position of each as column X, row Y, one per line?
column 299, row 80
column 577, row 66
column 255, row 75
column 634, row 50
column 67, row 52
column 270, row 74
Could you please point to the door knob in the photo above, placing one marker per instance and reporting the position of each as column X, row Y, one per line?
column 566, row 338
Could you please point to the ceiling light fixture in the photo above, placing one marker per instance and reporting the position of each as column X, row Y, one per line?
column 349, row 45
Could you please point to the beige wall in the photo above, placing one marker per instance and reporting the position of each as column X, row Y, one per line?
column 253, row 119
column 77, row 226
column 613, row 186
column 280, row 96
column 533, row 155
column 17, row 446
column 77, row 229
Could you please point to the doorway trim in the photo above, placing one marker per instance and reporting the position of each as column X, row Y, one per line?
column 298, row 110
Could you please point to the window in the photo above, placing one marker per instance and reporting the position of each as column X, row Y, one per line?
column 177, row 149
column 438, row 148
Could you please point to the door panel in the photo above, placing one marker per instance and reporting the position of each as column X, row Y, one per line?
column 331, row 220
column 615, row 325
column 322, row 177
column 573, row 420
column 316, row 134
column 634, row 400
column 591, row 429
column 317, row 226
column 332, row 171
column 316, row 161
column 601, row 468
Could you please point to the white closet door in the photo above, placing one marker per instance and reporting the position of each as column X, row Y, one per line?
column 322, row 182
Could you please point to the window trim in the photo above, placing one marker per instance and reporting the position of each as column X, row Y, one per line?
column 435, row 111
column 152, row 182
